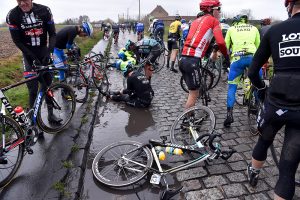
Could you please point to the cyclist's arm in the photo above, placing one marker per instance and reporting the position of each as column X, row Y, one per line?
column 51, row 30
column 17, row 39
column 260, row 58
column 219, row 39
column 228, row 39
column 71, row 36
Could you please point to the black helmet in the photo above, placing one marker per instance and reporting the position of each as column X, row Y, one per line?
column 177, row 17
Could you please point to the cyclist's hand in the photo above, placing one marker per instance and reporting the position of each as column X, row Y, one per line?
column 226, row 62
column 261, row 93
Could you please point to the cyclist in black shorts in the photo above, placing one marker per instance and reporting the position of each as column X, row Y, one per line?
column 116, row 31
column 282, row 102
column 30, row 24
column 138, row 93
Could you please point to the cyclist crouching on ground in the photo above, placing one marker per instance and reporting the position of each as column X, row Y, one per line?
column 64, row 40
column 138, row 93
column 201, row 29
column 243, row 39
column 282, row 103
column 32, row 38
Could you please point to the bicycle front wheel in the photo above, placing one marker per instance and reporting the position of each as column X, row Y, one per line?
column 160, row 62
column 199, row 118
column 122, row 163
column 252, row 111
column 14, row 150
column 100, row 79
column 61, row 101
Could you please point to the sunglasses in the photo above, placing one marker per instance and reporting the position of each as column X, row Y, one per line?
column 217, row 8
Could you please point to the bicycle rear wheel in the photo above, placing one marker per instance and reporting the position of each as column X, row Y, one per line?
column 14, row 145
column 79, row 84
column 215, row 68
column 276, row 151
column 200, row 118
column 253, row 107
column 62, row 99
column 122, row 163
column 160, row 62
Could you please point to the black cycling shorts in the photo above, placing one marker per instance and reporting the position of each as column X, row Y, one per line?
column 172, row 44
column 190, row 69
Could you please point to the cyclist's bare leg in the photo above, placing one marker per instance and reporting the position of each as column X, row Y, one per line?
column 276, row 197
column 192, row 98
column 173, row 58
column 148, row 71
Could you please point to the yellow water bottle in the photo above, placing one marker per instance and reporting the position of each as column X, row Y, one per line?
column 177, row 151
column 247, row 85
column 161, row 155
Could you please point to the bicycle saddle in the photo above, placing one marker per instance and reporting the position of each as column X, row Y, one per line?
column 167, row 194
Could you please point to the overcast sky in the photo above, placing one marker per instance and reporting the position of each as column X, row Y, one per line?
column 102, row 9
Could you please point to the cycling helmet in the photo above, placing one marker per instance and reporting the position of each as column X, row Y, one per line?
column 154, row 20
column 128, row 44
column 87, row 28
column 265, row 22
column 292, row 2
column 235, row 20
column 183, row 21
column 128, row 69
column 243, row 18
column 205, row 5
column 200, row 14
column 177, row 17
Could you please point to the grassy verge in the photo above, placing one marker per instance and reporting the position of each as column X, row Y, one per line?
column 12, row 71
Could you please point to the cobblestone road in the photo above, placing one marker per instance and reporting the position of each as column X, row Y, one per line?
column 220, row 180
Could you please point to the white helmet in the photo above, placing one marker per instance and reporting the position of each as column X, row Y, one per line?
column 155, row 20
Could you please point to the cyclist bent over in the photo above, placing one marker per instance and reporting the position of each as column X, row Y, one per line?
column 29, row 25
column 116, row 31
column 243, row 39
column 140, row 30
column 200, row 34
column 282, row 103
column 64, row 40
column 146, row 48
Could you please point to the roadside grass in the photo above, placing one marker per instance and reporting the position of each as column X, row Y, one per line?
column 12, row 71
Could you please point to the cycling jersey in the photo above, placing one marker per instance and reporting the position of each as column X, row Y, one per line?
column 242, row 37
column 200, row 35
column 282, row 41
column 145, row 46
column 185, row 30
column 65, row 37
column 29, row 30
column 115, row 28
column 174, row 30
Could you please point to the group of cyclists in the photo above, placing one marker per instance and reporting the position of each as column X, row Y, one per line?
column 242, row 45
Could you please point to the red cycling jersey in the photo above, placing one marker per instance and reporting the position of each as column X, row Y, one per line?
column 200, row 34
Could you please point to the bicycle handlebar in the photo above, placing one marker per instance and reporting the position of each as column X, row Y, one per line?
column 225, row 154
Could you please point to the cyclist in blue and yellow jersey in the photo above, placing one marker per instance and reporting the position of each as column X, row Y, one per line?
column 173, row 37
column 125, row 57
column 143, row 49
column 32, row 30
column 243, row 39
column 64, row 40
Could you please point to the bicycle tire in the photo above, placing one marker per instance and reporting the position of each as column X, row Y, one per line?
column 64, row 104
column 100, row 79
column 79, row 84
column 179, row 132
column 276, row 155
column 209, row 80
column 253, row 108
column 161, row 63
column 113, row 165
column 216, row 70
column 16, row 154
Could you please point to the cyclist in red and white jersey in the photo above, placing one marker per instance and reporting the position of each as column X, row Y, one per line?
column 202, row 30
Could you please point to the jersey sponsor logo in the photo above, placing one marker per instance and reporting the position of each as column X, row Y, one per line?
column 290, row 45
column 35, row 31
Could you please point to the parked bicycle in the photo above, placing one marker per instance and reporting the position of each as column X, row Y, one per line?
column 20, row 131
column 87, row 74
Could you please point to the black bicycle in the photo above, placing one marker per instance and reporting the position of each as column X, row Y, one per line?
column 20, row 132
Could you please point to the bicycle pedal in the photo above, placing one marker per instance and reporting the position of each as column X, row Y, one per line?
column 29, row 150
column 3, row 161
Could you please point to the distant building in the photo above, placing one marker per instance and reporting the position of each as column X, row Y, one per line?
column 160, row 13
